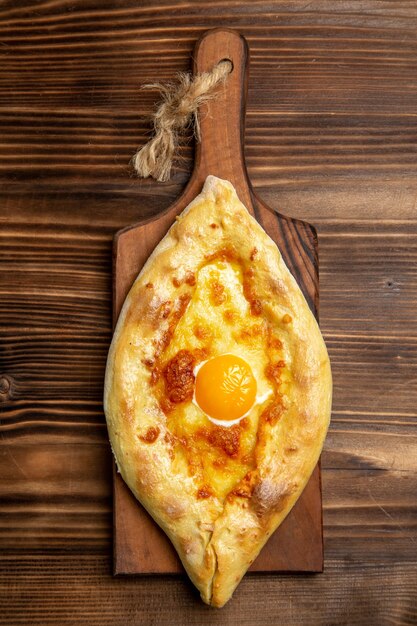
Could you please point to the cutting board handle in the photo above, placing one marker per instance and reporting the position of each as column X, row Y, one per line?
column 222, row 119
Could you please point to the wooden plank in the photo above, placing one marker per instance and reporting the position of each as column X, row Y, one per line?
column 69, row 590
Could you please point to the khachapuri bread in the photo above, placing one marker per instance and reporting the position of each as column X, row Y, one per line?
column 217, row 390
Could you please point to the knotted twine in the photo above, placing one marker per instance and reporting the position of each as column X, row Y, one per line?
column 176, row 113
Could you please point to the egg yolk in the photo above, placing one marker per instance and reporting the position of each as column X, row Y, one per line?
column 225, row 388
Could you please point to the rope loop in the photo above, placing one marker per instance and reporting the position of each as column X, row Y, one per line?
column 176, row 113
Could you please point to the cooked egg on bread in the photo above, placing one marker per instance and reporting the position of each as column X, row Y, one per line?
column 218, row 389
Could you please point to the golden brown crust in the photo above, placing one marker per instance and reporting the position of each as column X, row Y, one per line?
column 216, row 536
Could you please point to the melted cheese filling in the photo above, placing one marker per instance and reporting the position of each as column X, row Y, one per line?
column 217, row 321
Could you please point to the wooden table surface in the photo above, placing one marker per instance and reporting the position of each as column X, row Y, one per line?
column 331, row 138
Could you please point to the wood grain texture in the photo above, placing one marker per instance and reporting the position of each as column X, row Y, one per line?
column 331, row 136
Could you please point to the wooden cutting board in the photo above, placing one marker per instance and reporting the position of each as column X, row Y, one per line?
column 140, row 547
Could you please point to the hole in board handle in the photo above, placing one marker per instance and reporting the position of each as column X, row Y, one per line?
column 226, row 60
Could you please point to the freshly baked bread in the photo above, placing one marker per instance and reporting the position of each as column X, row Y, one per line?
column 217, row 390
